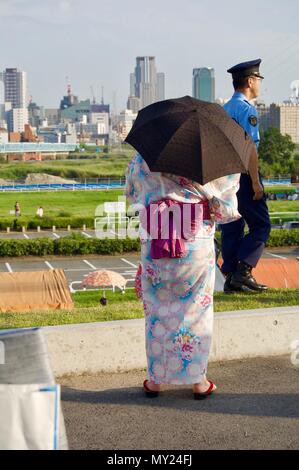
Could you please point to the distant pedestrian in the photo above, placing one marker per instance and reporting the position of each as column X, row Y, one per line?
column 40, row 212
column 17, row 209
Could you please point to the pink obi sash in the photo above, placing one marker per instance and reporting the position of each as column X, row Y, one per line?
column 168, row 231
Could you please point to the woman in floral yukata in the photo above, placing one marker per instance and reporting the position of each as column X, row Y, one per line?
column 177, row 287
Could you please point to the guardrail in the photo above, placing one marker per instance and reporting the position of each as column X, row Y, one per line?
column 23, row 147
column 117, row 184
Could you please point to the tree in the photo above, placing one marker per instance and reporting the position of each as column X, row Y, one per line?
column 276, row 153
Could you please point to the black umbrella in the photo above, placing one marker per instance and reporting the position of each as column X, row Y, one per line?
column 190, row 138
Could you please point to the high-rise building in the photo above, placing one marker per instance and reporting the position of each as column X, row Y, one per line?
column 15, row 87
column 69, row 99
column 203, row 84
column 284, row 117
column 34, row 114
column 160, row 91
column 15, row 93
column 126, row 120
column 145, row 83
column 133, row 104
column 17, row 119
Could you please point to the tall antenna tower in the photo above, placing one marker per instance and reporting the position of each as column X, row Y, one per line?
column 92, row 95
column 68, row 86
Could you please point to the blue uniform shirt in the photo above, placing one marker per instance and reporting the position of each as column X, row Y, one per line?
column 244, row 114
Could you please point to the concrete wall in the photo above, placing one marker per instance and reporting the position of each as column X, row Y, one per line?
column 119, row 345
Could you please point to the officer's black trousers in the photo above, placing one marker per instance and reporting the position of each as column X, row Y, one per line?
column 239, row 247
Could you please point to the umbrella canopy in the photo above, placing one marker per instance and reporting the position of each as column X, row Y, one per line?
column 191, row 138
column 105, row 278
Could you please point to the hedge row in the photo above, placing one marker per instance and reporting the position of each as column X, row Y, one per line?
column 45, row 223
column 278, row 237
column 73, row 245
column 78, row 245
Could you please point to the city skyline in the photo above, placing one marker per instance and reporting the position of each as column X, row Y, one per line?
column 51, row 47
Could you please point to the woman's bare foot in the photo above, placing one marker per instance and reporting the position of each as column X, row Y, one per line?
column 152, row 386
column 203, row 386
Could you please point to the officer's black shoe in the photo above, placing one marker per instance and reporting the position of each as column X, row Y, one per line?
column 243, row 278
column 228, row 288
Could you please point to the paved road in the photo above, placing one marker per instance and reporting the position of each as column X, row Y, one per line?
column 44, row 234
column 256, row 407
column 57, row 234
column 76, row 267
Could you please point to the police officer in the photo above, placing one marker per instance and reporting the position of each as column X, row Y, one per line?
column 242, row 252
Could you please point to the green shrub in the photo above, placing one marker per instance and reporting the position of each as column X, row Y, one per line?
column 283, row 238
column 278, row 237
column 77, row 244
column 45, row 222
column 64, row 214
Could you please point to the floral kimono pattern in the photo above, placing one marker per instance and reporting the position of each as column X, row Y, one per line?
column 177, row 293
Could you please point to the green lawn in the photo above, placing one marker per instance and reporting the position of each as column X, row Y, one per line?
column 69, row 203
column 127, row 306
column 83, row 203
column 283, row 206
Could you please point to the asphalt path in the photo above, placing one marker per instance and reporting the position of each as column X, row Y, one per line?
column 256, row 406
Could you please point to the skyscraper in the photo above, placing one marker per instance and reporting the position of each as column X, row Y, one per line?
column 15, row 87
column 160, row 92
column 15, row 93
column 145, row 83
column 203, row 84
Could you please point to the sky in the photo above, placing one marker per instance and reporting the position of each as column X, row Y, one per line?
column 95, row 43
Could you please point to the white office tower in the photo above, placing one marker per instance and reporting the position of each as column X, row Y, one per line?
column 145, row 83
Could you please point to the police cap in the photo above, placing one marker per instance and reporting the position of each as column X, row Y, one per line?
column 246, row 69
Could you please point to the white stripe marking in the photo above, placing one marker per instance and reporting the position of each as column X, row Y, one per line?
column 8, row 267
column 86, row 269
column 89, row 264
column 131, row 264
column 25, row 235
column 55, row 235
column 86, row 234
column 276, row 256
column 49, row 265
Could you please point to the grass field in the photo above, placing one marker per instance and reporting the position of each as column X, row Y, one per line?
column 70, row 203
column 127, row 306
column 84, row 203
column 104, row 165
column 283, row 206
